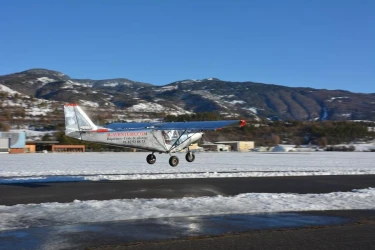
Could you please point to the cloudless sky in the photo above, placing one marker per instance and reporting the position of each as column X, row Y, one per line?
column 300, row 43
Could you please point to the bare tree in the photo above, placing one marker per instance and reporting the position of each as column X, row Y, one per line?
column 4, row 127
column 275, row 140
column 322, row 142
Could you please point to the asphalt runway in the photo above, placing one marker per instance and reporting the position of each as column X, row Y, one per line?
column 358, row 233
column 12, row 194
column 349, row 229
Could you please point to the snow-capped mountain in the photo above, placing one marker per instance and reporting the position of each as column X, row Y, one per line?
column 122, row 98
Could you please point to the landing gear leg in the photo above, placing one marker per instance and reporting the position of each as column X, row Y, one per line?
column 173, row 161
column 190, row 156
column 151, row 158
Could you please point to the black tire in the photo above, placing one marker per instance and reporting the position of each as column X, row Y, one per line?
column 151, row 159
column 190, row 157
column 173, row 161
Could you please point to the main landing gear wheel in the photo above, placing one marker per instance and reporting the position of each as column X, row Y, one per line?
column 151, row 159
column 173, row 161
column 190, row 157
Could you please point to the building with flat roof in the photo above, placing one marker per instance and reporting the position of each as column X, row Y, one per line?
column 216, row 147
column 68, row 148
column 17, row 141
column 52, row 146
column 240, row 146
column 39, row 146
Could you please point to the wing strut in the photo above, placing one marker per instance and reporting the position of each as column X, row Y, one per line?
column 174, row 145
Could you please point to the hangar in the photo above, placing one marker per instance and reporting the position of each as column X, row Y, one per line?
column 216, row 147
column 240, row 146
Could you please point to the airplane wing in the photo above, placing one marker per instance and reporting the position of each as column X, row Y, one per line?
column 198, row 125
column 131, row 125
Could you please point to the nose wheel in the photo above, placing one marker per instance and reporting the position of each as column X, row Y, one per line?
column 190, row 157
column 151, row 159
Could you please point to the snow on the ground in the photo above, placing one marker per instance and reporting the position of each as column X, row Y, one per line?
column 4, row 88
column 166, row 88
column 234, row 102
column 44, row 80
column 110, row 84
column 89, row 103
column 338, row 97
column 147, row 107
column 284, row 148
column 13, row 103
column 252, row 109
column 100, row 166
column 34, row 111
column 52, row 214
column 129, row 166
column 361, row 147
column 70, row 84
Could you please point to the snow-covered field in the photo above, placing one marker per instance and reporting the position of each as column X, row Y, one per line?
column 104, row 166
column 128, row 166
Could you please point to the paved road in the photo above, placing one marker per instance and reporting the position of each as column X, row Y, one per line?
column 11, row 194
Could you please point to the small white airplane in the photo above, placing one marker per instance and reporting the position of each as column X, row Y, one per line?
column 162, row 137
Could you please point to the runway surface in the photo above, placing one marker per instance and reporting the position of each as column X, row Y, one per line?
column 358, row 233
column 12, row 194
column 298, row 230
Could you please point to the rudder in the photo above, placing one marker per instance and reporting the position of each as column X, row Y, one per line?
column 76, row 120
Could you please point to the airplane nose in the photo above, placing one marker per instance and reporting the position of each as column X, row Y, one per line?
column 195, row 137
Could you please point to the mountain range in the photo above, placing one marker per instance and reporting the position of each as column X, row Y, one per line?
column 122, row 98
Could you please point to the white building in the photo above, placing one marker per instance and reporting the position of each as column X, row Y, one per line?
column 4, row 145
column 240, row 146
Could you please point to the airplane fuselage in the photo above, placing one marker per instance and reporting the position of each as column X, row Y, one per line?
column 147, row 139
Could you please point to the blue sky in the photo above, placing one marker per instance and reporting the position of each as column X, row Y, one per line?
column 300, row 43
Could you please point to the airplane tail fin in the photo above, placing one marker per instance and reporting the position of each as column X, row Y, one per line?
column 77, row 121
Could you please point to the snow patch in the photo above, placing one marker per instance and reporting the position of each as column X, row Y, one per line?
column 284, row 148
column 45, row 80
column 71, row 84
column 190, row 81
column 252, row 110
column 34, row 111
column 338, row 97
column 8, row 90
column 234, row 102
column 50, row 214
column 89, row 103
column 111, row 84
column 12, row 103
column 147, row 107
column 166, row 88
